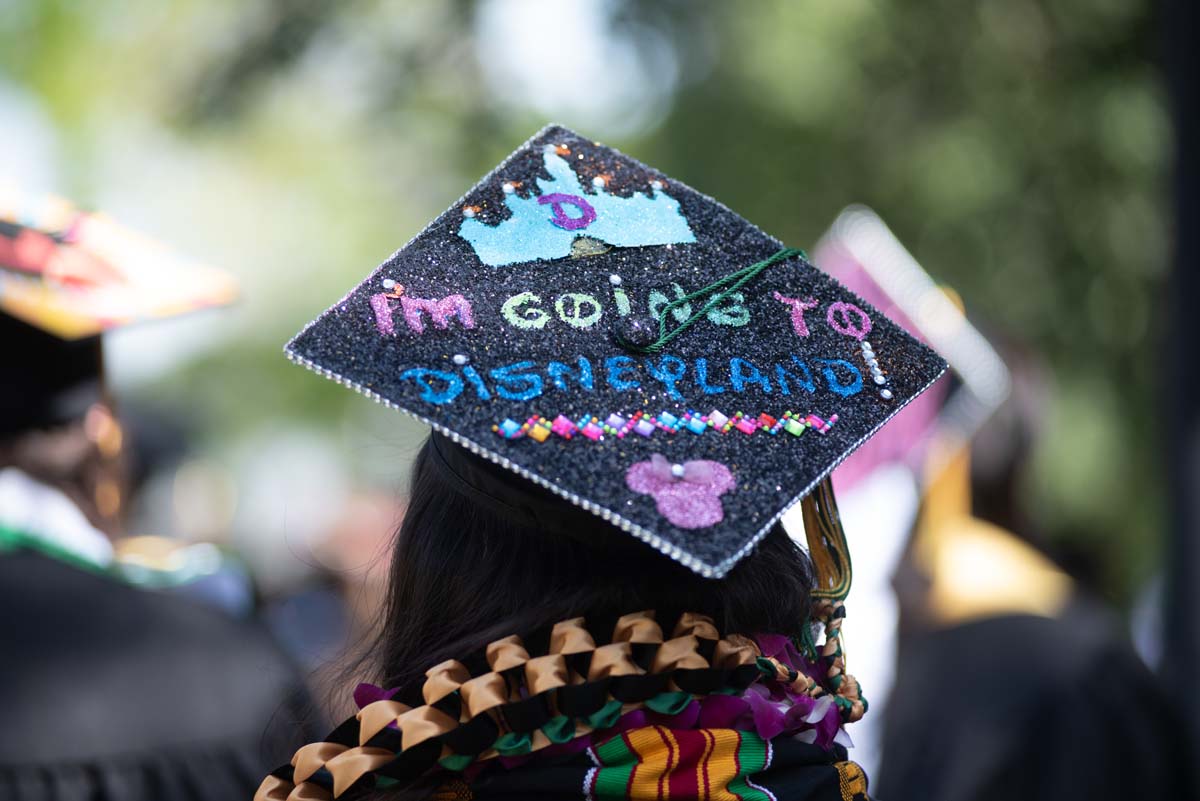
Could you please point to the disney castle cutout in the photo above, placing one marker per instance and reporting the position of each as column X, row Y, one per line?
column 634, row 221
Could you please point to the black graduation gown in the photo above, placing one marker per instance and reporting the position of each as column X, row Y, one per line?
column 111, row 692
column 1026, row 707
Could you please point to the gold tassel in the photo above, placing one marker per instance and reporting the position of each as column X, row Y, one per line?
column 827, row 543
column 830, row 555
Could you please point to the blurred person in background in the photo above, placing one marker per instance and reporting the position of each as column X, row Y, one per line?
column 325, row 619
column 1015, row 679
column 110, row 691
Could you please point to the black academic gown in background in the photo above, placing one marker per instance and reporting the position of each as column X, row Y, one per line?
column 111, row 693
column 1029, row 708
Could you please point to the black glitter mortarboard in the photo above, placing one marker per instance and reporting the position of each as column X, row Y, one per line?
column 524, row 323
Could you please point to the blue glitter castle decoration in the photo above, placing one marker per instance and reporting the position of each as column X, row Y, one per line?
column 544, row 226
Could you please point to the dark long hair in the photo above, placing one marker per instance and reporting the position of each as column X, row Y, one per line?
column 463, row 575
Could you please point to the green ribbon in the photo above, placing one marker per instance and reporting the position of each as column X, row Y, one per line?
column 728, row 285
column 669, row 703
column 454, row 762
column 606, row 717
column 560, row 729
column 805, row 644
column 514, row 744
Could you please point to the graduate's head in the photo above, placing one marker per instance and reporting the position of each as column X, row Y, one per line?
column 67, row 276
column 51, row 381
column 482, row 554
column 55, row 424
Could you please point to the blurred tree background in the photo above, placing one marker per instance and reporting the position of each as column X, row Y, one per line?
column 1018, row 148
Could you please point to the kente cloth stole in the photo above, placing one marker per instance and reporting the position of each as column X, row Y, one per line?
column 656, row 763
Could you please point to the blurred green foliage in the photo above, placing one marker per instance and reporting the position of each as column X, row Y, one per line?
column 1018, row 147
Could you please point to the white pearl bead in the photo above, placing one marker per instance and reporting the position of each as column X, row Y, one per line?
column 389, row 283
column 468, row 212
column 598, row 182
column 886, row 394
column 677, row 470
column 508, row 188
column 879, row 379
column 460, row 359
column 656, row 185
column 614, row 279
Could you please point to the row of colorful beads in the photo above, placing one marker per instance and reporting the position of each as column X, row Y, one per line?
column 539, row 428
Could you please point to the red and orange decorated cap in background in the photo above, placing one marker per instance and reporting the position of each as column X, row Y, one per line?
column 73, row 273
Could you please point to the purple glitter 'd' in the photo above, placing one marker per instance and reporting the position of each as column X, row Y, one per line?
column 561, row 219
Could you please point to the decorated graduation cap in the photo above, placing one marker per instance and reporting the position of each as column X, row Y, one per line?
column 632, row 345
column 74, row 274
column 66, row 276
column 860, row 251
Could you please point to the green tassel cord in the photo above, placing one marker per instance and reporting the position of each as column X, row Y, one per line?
column 727, row 286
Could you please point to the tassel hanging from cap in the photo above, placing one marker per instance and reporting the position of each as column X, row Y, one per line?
column 827, row 543
column 834, row 574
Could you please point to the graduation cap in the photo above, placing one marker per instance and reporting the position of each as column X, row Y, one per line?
column 75, row 274
column 66, row 276
column 860, row 251
column 634, row 346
